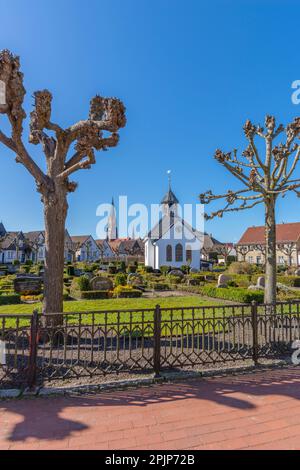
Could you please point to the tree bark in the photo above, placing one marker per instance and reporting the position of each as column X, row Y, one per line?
column 270, row 235
column 55, row 212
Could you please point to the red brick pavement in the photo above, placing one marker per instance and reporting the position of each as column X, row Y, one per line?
column 252, row 411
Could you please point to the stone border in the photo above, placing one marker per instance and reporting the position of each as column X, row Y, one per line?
column 132, row 383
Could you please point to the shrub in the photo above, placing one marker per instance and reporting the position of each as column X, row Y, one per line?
column 174, row 279
column 148, row 269
column 70, row 271
column 121, row 279
column 185, row 268
column 291, row 281
column 112, row 269
column 236, row 294
column 159, row 286
column 126, row 292
column 240, row 268
column 79, row 284
column 122, row 267
column 10, row 299
column 132, row 268
column 165, row 269
column 28, row 262
column 16, row 262
column 94, row 294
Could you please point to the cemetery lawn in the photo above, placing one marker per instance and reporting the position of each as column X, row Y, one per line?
column 114, row 304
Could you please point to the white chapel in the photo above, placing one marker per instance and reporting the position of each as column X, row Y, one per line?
column 172, row 241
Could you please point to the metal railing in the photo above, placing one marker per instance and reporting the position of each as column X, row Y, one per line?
column 41, row 348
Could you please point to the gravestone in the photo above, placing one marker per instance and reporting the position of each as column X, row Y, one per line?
column 101, row 283
column 28, row 285
column 176, row 272
column 135, row 279
column 297, row 272
column 223, row 280
column 261, row 282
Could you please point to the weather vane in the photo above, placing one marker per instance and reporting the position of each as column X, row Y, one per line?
column 169, row 172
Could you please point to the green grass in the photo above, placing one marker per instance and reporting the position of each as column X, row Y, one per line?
column 112, row 304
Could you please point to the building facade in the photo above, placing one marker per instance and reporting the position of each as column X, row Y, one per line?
column 172, row 242
column 251, row 247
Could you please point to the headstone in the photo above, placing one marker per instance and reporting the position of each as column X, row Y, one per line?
column 223, row 280
column 77, row 272
column 297, row 272
column 135, row 279
column 176, row 272
column 90, row 276
column 261, row 282
column 28, row 285
column 194, row 271
column 101, row 283
column 2, row 273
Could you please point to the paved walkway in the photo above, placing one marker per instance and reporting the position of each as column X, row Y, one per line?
column 253, row 411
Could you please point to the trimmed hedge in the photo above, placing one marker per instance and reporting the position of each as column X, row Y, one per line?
column 10, row 299
column 291, row 281
column 94, row 294
column 159, row 286
column 235, row 294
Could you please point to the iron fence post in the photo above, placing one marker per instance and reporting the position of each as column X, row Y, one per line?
column 33, row 347
column 255, row 331
column 157, row 340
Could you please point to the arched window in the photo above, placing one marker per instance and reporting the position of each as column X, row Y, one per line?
column 169, row 254
column 179, row 253
column 189, row 254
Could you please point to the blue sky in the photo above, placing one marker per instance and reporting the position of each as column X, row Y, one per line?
column 189, row 72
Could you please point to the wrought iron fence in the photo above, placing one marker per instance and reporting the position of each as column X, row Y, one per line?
column 39, row 348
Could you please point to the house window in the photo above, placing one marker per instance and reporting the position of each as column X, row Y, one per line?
column 189, row 254
column 258, row 260
column 169, row 253
column 179, row 253
column 250, row 259
column 281, row 260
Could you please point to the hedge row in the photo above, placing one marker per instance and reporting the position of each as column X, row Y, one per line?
column 93, row 294
column 10, row 299
column 235, row 294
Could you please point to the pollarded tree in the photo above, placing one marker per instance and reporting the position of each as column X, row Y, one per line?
column 264, row 176
column 98, row 132
column 288, row 249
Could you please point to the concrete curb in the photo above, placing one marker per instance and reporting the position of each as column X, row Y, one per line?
column 135, row 383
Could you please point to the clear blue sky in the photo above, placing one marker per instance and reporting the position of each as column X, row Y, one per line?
column 189, row 72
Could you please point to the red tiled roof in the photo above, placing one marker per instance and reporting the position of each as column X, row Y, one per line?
column 284, row 233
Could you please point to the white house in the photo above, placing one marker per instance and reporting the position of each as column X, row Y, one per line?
column 13, row 246
column 36, row 242
column 105, row 249
column 173, row 242
column 85, row 248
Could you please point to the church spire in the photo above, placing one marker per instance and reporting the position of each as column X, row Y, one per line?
column 170, row 201
column 112, row 230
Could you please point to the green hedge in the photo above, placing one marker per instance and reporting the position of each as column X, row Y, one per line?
column 94, row 294
column 10, row 299
column 235, row 294
column 159, row 286
column 129, row 294
column 291, row 281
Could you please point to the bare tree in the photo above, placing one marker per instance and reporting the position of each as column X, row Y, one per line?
column 243, row 250
column 288, row 249
column 224, row 250
column 98, row 132
column 264, row 175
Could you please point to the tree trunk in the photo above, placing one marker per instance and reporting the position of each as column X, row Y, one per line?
column 270, row 234
column 55, row 212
